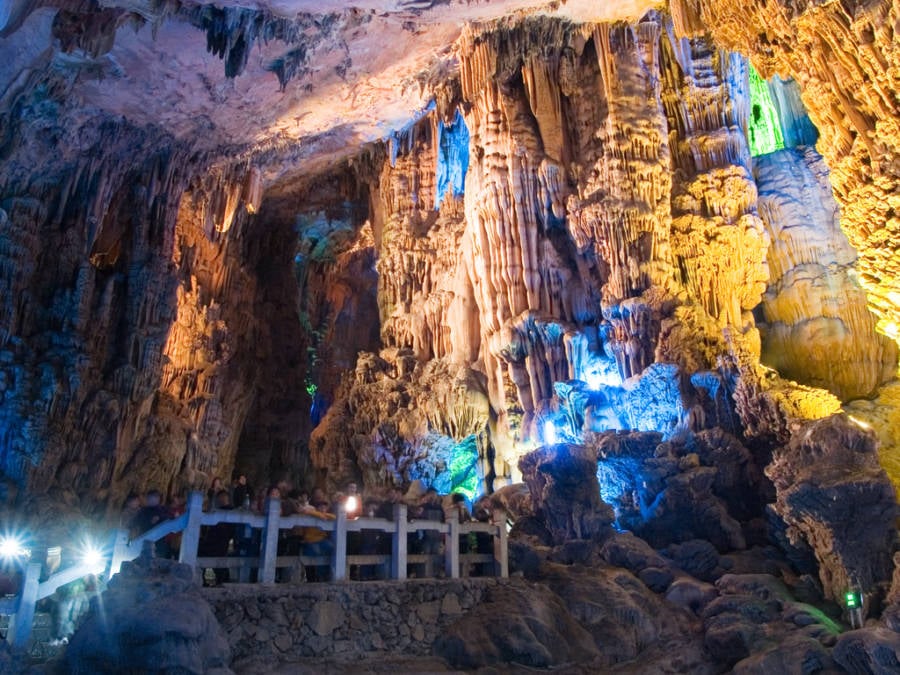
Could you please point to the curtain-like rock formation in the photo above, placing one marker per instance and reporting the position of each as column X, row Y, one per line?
column 818, row 328
column 609, row 220
column 844, row 57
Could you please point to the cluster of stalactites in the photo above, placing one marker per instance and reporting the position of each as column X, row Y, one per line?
column 841, row 54
column 719, row 241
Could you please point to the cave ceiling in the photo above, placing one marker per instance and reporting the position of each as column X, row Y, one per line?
column 302, row 82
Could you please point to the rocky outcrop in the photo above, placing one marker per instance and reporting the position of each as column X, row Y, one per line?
column 398, row 420
column 514, row 625
column 668, row 493
column 841, row 55
column 174, row 629
column 562, row 481
column 750, row 607
column 837, row 499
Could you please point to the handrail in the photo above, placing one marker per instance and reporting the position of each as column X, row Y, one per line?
column 270, row 523
column 63, row 577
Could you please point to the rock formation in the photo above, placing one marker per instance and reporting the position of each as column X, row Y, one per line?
column 828, row 483
column 588, row 245
column 174, row 629
column 842, row 56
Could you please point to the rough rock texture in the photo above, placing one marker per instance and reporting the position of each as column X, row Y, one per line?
column 127, row 360
column 837, row 499
column 568, row 210
column 397, row 420
column 844, row 56
column 174, row 629
column 871, row 649
column 749, row 609
column 817, row 328
column 608, row 185
column 530, row 627
column 563, row 484
column 356, row 620
column 671, row 492
column 714, row 200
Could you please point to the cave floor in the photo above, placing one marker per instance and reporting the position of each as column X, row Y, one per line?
column 371, row 665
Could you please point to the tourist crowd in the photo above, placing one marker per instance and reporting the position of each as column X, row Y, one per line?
column 228, row 539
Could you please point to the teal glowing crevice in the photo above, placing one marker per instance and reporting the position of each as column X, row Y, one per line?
column 464, row 467
column 765, row 127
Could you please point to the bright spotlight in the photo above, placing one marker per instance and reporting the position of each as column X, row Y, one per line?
column 352, row 505
column 598, row 379
column 550, row 435
column 12, row 548
column 93, row 558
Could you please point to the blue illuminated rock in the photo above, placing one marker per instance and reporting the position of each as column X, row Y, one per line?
column 562, row 480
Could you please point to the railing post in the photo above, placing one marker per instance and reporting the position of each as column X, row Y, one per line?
column 451, row 547
column 398, row 545
column 19, row 632
column 190, row 540
column 246, row 538
column 501, row 546
column 269, row 547
column 120, row 552
column 339, row 561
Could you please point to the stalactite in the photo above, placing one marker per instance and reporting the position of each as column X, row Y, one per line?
column 840, row 55
column 818, row 330
column 714, row 202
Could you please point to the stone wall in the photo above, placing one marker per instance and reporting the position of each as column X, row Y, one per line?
column 317, row 620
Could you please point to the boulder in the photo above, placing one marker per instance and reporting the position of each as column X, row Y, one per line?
column 562, row 480
column 151, row 619
column 665, row 493
column 833, row 494
column 796, row 654
column 697, row 557
column 623, row 549
column 623, row 616
column 530, row 626
column 873, row 649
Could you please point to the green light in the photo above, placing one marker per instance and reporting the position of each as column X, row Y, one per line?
column 765, row 127
column 311, row 388
column 464, row 467
column 851, row 599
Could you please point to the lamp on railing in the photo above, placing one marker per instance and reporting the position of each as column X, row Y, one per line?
column 12, row 548
column 352, row 503
column 93, row 558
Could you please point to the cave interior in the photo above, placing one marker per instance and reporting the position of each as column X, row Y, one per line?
column 480, row 245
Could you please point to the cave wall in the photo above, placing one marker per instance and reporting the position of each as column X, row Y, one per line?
column 158, row 328
column 844, row 57
column 138, row 307
column 612, row 218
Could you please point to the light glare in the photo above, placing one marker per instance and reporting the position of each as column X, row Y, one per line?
column 858, row 422
column 550, row 435
column 11, row 547
column 93, row 558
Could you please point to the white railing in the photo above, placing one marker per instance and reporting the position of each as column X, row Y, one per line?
column 20, row 608
column 267, row 561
